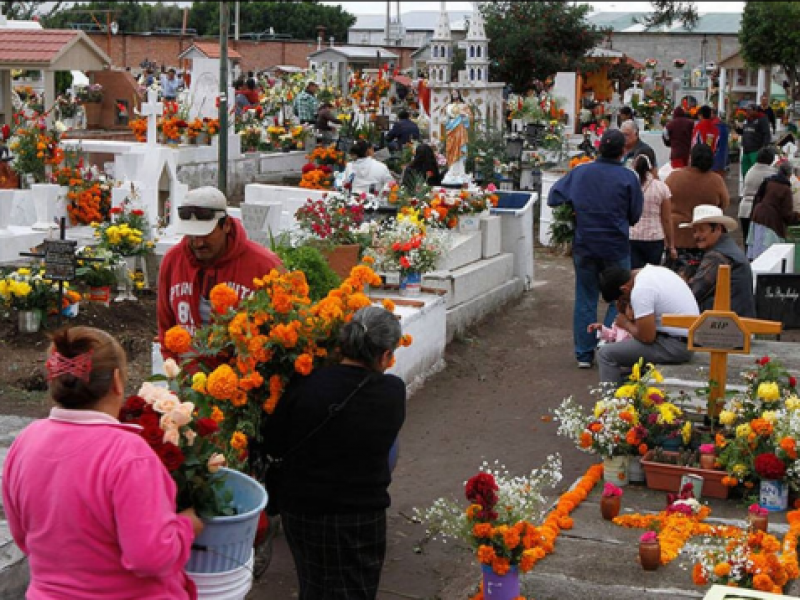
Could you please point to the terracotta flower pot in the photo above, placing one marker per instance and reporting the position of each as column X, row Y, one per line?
column 650, row 555
column 610, row 506
column 707, row 461
column 343, row 258
column 667, row 477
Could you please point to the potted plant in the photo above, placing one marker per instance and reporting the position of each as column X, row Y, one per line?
column 335, row 223
column 26, row 290
column 35, row 149
column 98, row 274
column 498, row 503
column 91, row 98
column 610, row 501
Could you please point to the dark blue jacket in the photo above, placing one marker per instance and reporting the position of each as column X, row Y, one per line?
column 721, row 153
column 607, row 199
column 403, row 131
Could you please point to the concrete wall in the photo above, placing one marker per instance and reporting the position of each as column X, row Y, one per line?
column 668, row 46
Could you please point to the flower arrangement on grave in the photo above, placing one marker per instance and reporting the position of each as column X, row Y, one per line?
column 442, row 208
column 761, row 428
column 127, row 232
column 251, row 136
column 211, row 126
column 751, row 560
column 327, row 155
column 498, row 520
column 89, row 197
column 650, row 63
column 316, row 177
column 337, row 218
column 238, row 366
column 293, row 138
column 139, row 129
column 95, row 273
column 194, row 128
column 172, row 128
column 679, row 63
column 90, row 93
column 35, row 147
column 66, row 107
column 188, row 441
column 26, row 288
column 653, row 106
column 406, row 245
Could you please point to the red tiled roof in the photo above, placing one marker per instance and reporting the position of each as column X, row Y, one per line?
column 34, row 45
column 211, row 50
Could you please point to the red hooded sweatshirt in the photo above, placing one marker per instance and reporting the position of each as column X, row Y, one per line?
column 179, row 278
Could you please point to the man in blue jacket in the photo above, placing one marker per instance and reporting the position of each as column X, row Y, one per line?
column 607, row 199
column 402, row 132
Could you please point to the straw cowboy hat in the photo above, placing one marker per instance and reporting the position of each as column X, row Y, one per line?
column 706, row 213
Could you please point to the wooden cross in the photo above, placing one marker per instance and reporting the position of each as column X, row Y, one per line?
column 720, row 331
column 152, row 109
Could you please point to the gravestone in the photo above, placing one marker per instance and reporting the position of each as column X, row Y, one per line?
column 778, row 298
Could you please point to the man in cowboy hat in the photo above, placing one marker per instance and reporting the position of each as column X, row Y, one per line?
column 710, row 231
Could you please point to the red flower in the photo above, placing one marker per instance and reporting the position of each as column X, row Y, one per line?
column 137, row 212
column 404, row 262
column 171, row 456
column 150, row 421
column 763, row 360
column 206, row 427
column 153, row 436
column 769, row 466
column 792, row 381
column 308, row 167
column 117, row 210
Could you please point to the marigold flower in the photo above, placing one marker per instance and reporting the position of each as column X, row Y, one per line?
column 406, row 340
column 303, row 364
column 482, row 530
column 769, row 391
column 217, row 414
column 238, row 441
column 223, row 383
column 722, row 569
column 178, row 340
column 199, row 382
column 485, row 554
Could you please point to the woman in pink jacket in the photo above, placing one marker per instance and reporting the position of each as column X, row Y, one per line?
column 86, row 498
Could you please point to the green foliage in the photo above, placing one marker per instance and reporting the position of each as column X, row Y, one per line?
column 131, row 16
column 26, row 10
column 666, row 12
column 63, row 81
column 769, row 36
column 562, row 229
column 485, row 147
column 308, row 259
column 534, row 40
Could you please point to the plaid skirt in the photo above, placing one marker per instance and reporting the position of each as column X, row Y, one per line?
column 338, row 557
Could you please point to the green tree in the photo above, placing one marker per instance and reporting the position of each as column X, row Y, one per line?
column 130, row 16
column 769, row 36
column 666, row 12
column 13, row 9
column 298, row 19
column 534, row 40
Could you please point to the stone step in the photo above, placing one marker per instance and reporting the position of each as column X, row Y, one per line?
column 472, row 280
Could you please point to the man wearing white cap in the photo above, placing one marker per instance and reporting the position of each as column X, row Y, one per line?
column 710, row 230
column 214, row 250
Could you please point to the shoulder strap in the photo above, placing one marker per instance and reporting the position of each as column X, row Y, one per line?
column 333, row 410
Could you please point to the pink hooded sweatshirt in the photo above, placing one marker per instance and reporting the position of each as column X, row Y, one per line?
column 93, row 507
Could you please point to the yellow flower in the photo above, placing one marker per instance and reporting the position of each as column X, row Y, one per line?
column 770, row 416
column 636, row 372
column 793, row 402
column 599, row 408
column 739, row 470
column 199, row 382
column 655, row 374
column 744, row 430
column 769, row 391
column 686, row 432
column 727, row 417
column 24, row 271
column 238, row 440
column 626, row 391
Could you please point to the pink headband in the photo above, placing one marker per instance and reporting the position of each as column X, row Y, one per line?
column 79, row 366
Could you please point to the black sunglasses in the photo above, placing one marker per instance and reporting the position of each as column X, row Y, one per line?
column 200, row 213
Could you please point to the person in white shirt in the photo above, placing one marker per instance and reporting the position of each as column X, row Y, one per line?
column 652, row 292
column 365, row 174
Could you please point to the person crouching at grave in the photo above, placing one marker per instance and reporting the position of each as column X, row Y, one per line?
column 365, row 174
column 710, row 229
column 652, row 292
column 87, row 500
column 214, row 250
column 339, row 425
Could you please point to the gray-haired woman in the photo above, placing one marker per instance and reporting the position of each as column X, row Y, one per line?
column 332, row 433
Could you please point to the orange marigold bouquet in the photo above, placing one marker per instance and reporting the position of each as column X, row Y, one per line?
column 443, row 207
column 498, row 521
column 240, row 364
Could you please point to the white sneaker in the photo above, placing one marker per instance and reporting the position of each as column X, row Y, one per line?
column 584, row 364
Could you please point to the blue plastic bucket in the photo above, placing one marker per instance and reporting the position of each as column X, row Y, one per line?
column 226, row 543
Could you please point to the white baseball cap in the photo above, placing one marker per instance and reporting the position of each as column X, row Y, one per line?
column 212, row 206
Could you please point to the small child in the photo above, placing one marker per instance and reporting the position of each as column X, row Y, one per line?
column 609, row 335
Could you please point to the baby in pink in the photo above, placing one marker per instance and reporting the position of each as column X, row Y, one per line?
column 609, row 335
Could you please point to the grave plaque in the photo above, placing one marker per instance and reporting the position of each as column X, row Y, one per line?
column 59, row 259
column 778, row 298
column 719, row 332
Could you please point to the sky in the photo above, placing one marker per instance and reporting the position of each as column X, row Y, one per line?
column 361, row 8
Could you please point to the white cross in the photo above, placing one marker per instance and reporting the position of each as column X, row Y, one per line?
column 152, row 109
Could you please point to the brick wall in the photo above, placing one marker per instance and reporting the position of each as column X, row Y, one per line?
column 129, row 51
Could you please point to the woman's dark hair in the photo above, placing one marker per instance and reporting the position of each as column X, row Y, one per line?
column 642, row 166
column 785, row 169
column 705, row 111
column 425, row 160
column 372, row 331
column 360, row 148
column 106, row 356
column 702, row 157
column 403, row 114
column 766, row 155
